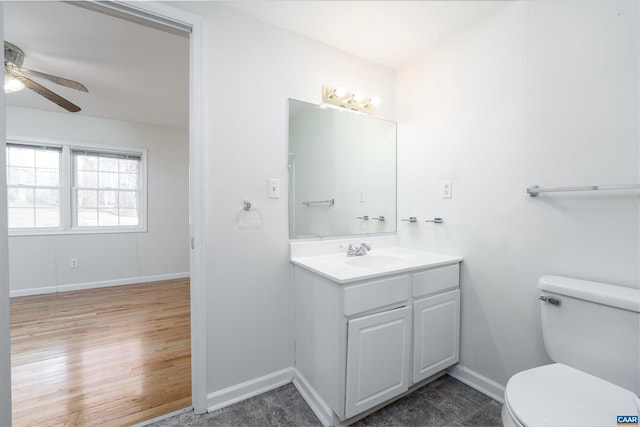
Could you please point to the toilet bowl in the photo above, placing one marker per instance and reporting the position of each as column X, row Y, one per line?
column 592, row 331
column 557, row 395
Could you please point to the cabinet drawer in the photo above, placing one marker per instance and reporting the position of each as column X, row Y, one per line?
column 436, row 280
column 375, row 294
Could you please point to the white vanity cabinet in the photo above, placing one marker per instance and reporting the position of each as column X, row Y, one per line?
column 436, row 321
column 361, row 343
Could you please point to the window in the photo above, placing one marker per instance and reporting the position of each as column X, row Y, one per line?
column 33, row 186
column 106, row 190
column 68, row 188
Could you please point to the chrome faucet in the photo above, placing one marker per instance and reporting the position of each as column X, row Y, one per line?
column 360, row 251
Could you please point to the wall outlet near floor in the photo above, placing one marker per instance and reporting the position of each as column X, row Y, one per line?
column 74, row 263
column 445, row 189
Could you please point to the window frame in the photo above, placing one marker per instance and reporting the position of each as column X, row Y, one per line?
column 68, row 211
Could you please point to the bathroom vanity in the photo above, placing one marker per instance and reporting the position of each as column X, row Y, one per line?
column 370, row 328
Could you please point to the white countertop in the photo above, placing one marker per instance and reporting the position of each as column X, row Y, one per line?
column 378, row 262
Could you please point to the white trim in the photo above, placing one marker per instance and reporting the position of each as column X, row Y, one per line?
column 313, row 399
column 95, row 285
column 239, row 392
column 479, row 382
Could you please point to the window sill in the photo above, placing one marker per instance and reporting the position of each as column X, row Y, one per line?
column 74, row 231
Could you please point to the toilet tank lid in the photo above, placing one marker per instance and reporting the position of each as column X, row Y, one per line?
column 602, row 293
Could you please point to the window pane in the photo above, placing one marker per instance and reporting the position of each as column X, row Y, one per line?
column 108, row 217
column 20, row 197
column 46, row 198
column 47, row 217
column 87, row 179
column 108, row 164
column 87, row 199
column 47, row 177
column 108, row 199
column 129, row 217
column 21, row 176
column 107, row 180
column 21, row 156
column 49, row 159
column 128, row 181
column 128, row 199
column 129, row 166
column 86, row 163
column 87, row 217
column 21, row 218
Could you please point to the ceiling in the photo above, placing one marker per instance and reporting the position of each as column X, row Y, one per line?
column 133, row 72
column 389, row 33
column 140, row 74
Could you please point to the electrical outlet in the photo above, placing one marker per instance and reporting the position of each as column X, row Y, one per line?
column 74, row 263
column 445, row 189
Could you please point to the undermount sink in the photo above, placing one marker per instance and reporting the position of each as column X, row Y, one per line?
column 375, row 261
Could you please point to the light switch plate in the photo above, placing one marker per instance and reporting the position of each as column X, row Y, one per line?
column 274, row 188
column 445, row 189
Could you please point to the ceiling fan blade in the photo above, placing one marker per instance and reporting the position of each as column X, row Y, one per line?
column 41, row 90
column 58, row 80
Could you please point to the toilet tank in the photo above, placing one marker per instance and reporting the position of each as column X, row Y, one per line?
column 595, row 327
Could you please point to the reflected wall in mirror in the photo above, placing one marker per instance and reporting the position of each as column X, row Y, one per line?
column 342, row 169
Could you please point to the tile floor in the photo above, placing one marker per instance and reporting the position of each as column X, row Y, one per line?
column 444, row 402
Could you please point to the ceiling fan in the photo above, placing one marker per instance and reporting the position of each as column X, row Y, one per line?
column 13, row 59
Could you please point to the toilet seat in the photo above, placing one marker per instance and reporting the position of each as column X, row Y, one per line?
column 558, row 395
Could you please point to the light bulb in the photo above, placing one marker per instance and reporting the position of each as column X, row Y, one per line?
column 12, row 84
column 340, row 91
column 375, row 101
column 358, row 97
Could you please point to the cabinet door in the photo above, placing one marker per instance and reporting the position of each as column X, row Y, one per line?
column 377, row 359
column 436, row 334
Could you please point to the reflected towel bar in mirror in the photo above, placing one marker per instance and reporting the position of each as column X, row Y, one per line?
column 319, row 202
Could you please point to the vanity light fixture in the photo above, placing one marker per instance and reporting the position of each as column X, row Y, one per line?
column 339, row 97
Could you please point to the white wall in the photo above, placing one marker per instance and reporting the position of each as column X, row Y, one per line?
column 41, row 263
column 5, row 349
column 541, row 93
column 251, row 70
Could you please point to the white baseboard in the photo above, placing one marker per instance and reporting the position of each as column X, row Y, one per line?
column 94, row 285
column 315, row 402
column 475, row 380
column 237, row 393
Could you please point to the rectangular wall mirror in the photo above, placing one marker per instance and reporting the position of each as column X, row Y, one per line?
column 342, row 172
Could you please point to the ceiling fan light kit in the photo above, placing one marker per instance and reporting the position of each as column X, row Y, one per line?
column 17, row 78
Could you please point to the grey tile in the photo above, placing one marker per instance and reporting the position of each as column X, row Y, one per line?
column 488, row 416
column 190, row 419
column 381, row 418
column 414, row 410
column 248, row 413
column 278, row 416
column 288, row 395
column 303, row 416
column 458, row 409
column 167, row 422
column 451, row 388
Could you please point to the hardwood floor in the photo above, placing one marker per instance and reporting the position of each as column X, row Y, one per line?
column 110, row 357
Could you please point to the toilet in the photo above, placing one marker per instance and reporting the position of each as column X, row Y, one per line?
column 592, row 331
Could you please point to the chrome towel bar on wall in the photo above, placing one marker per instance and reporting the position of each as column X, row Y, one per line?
column 534, row 190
